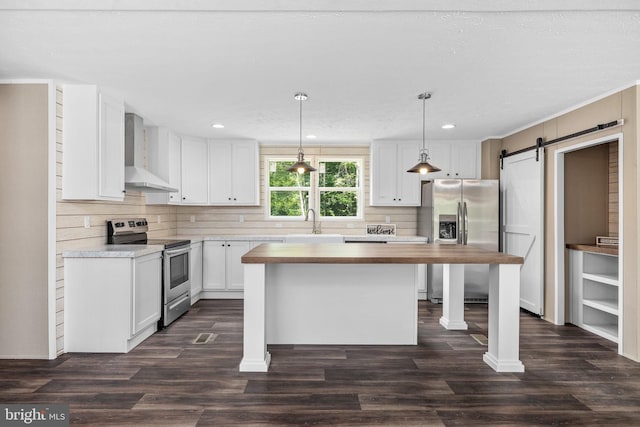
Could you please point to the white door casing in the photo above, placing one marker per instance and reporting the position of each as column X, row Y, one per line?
column 522, row 230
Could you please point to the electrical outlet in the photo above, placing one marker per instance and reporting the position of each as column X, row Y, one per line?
column 387, row 219
column 351, row 225
column 241, row 218
column 159, row 219
column 87, row 222
column 193, row 218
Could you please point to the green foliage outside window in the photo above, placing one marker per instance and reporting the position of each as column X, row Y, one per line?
column 338, row 174
column 279, row 176
column 338, row 203
column 338, row 185
column 289, row 203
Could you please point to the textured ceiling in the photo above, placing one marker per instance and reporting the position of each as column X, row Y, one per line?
column 362, row 63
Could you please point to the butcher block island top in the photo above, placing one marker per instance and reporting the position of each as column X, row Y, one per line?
column 366, row 253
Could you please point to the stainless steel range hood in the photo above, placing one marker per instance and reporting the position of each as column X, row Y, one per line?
column 136, row 177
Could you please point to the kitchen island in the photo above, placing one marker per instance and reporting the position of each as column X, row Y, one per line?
column 367, row 294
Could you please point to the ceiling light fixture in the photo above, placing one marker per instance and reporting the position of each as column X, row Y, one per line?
column 448, row 126
column 311, row 136
column 424, row 167
column 217, row 125
column 301, row 166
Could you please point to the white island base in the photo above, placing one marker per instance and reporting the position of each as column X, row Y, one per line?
column 350, row 304
column 346, row 294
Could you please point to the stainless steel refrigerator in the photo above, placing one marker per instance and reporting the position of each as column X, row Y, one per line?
column 466, row 212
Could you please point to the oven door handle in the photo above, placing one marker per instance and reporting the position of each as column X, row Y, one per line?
column 173, row 252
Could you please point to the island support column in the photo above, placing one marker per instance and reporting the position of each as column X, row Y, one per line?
column 256, row 358
column 453, row 297
column 504, row 318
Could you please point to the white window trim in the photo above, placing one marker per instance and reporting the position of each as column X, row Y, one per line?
column 314, row 189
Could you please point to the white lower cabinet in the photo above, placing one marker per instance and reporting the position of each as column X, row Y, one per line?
column 112, row 304
column 595, row 292
column 222, row 268
column 195, row 271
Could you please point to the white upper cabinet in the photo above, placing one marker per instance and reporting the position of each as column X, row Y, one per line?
column 93, row 145
column 457, row 159
column 391, row 184
column 164, row 160
column 234, row 173
column 194, row 162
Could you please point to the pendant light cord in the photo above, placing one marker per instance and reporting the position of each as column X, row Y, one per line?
column 424, row 119
column 300, row 144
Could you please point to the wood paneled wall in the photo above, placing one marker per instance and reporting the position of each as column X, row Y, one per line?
column 586, row 194
column 255, row 221
column 613, row 188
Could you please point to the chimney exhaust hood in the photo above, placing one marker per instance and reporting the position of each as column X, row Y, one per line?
column 136, row 177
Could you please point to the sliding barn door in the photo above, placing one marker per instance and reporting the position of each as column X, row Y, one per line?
column 522, row 199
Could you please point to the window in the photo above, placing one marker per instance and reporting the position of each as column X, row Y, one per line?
column 334, row 191
column 288, row 192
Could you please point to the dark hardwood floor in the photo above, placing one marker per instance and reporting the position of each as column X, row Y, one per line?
column 572, row 378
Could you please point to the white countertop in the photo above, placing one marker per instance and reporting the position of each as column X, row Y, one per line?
column 114, row 251
column 280, row 237
column 134, row 251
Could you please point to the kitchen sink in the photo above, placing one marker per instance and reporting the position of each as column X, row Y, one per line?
column 314, row 238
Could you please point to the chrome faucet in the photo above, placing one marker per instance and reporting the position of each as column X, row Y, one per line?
column 306, row 218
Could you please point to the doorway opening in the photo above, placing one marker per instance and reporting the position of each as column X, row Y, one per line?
column 588, row 203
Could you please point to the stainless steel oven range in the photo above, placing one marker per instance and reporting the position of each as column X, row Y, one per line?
column 176, row 287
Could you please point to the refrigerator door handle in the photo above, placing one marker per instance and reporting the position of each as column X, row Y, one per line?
column 465, row 228
column 460, row 225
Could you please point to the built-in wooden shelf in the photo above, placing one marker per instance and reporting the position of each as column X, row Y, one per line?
column 609, row 250
column 595, row 290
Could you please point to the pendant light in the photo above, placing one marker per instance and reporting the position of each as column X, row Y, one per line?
column 424, row 167
column 301, row 166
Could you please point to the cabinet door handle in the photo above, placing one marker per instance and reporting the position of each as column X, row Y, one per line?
column 184, row 198
column 228, row 198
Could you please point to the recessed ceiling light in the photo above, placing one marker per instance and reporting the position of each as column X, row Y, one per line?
column 217, row 125
column 311, row 136
column 448, row 126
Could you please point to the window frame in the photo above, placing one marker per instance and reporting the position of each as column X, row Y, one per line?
column 314, row 188
column 359, row 190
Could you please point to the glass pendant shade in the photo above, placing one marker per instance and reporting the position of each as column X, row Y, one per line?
column 424, row 167
column 301, row 166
